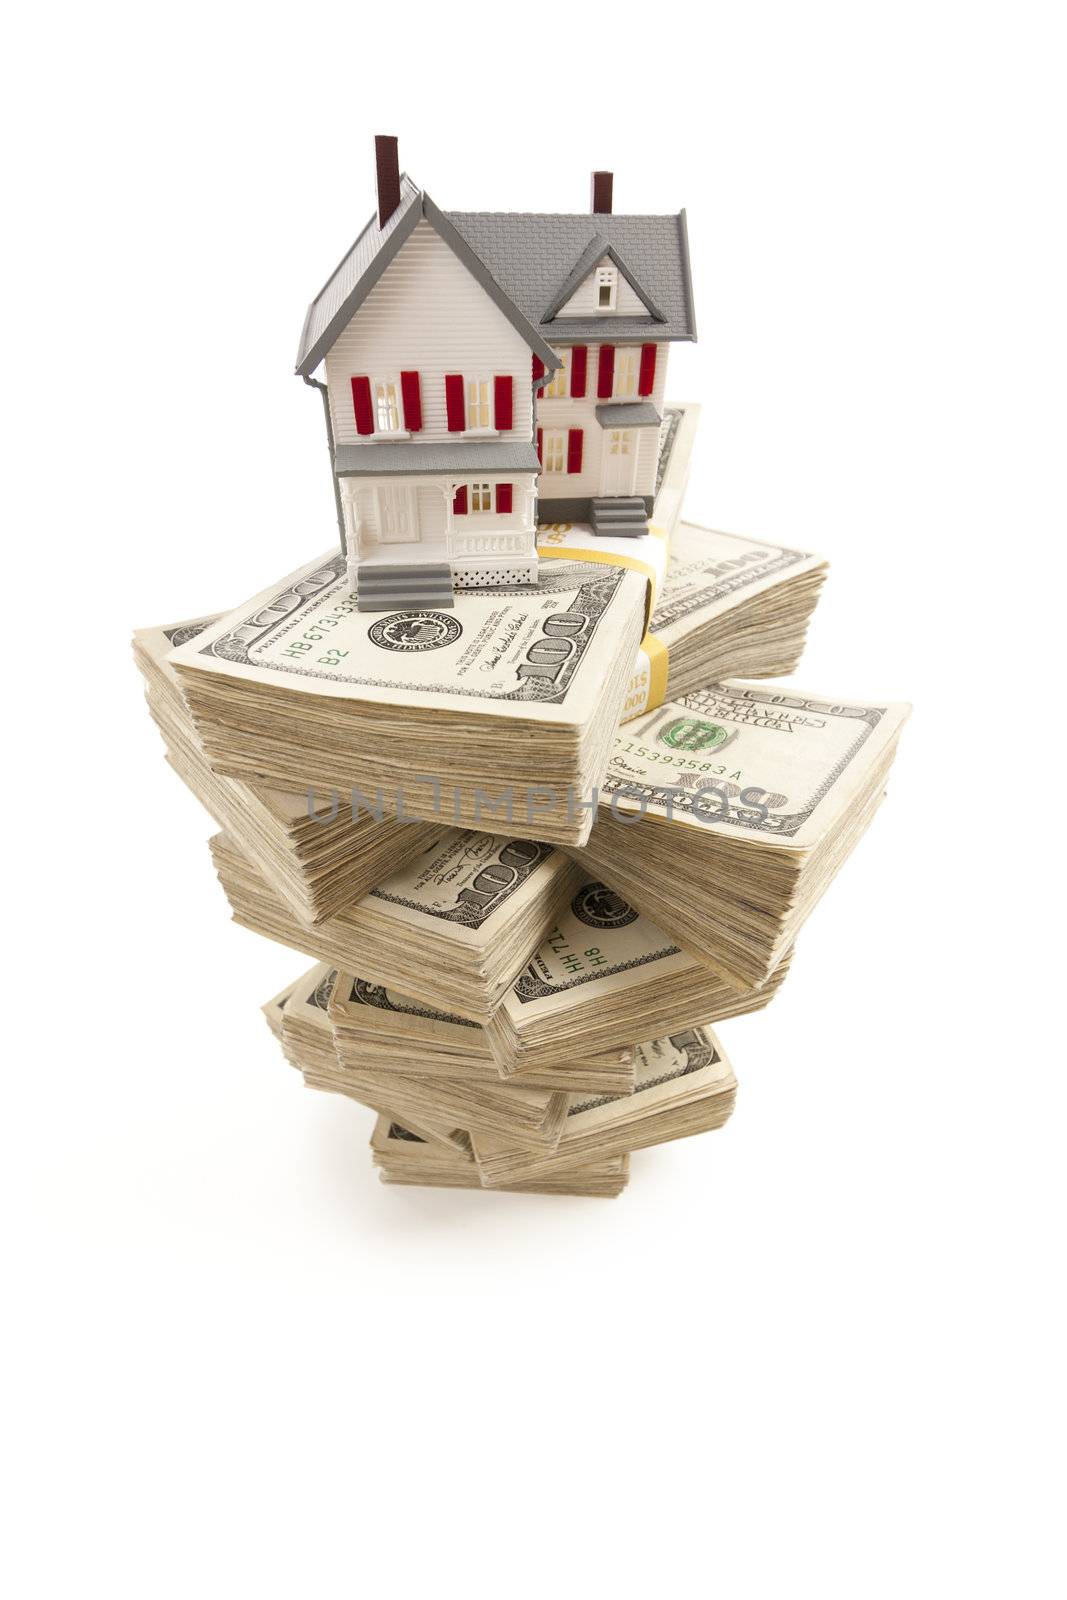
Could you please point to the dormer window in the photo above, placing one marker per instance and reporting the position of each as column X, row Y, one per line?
column 607, row 284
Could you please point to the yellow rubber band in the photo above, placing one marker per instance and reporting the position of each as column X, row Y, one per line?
column 605, row 558
column 658, row 664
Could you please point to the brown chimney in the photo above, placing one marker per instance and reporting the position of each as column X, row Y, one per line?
column 602, row 192
column 387, row 163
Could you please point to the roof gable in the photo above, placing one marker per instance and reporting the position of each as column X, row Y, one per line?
column 354, row 276
column 597, row 251
column 535, row 257
column 363, row 265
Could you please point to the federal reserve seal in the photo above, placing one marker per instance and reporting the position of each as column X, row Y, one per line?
column 410, row 631
column 693, row 733
column 600, row 907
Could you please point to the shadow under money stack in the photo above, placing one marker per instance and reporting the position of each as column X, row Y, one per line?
column 523, row 990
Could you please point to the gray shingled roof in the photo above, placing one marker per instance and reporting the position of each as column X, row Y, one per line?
column 411, row 456
column 596, row 250
column 358, row 269
column 529, row 263
column 628, row 414
column 533, row 256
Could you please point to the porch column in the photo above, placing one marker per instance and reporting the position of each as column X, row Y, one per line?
column 448, row 489
column 529, row 501
column 350, row 507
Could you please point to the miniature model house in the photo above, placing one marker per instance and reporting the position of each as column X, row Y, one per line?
column 487, row 371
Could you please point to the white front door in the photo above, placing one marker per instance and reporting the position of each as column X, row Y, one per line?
column 619, row 465
column 398, row 516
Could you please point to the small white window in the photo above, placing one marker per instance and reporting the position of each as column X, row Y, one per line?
column 554, row 446
column 607, row 284
column 620, row 442
column 627, row 360
column 479, row 404
column 480, row 496
column 559, row 385
column 386, row 406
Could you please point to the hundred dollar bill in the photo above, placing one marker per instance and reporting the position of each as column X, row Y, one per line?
column 537, row 648
column 298, row 1019
column 307, row 1041
column 511, row 1110
column 685, row 1085
column 728, row 607
column 317, row 854
column 501, row 706
column 710, row 572
column 725, row 814
column 379, row 1027
column 450, row 927
column 676, row 436
column 432, row 1156
column 605, row 974
column 404, row 1158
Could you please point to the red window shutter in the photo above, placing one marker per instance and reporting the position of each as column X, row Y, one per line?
column 503, row 497
column 459, row 501
column 502, row 401
column 411, row 394
column 647, row 377
column 541, row 445
column 574, row 449
column 579, row 363
column 538, row 368
column 454, row 401
column 361, row 405
column 605, row 375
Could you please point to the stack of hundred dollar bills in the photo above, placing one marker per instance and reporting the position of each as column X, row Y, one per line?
column 536, row 846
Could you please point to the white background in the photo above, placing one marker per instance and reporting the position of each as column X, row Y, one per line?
column 818, row 1353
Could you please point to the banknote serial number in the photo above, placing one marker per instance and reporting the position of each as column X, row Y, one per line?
column 571, row 960
column 719, row 769
column 318, row 632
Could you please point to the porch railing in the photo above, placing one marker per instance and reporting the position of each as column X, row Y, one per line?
column 491, row 544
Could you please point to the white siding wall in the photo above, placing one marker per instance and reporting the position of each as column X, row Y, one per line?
column 427, row 314
column 582, row 414
column 583, row 302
